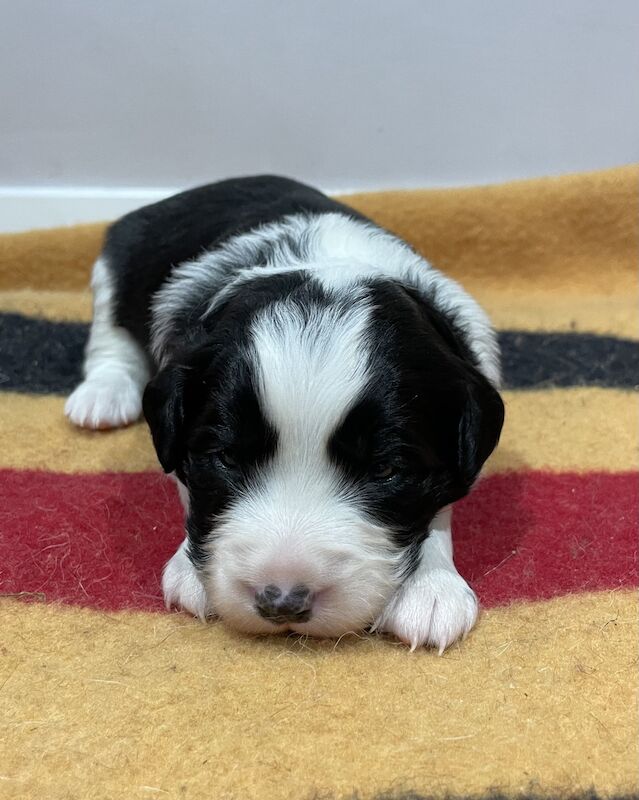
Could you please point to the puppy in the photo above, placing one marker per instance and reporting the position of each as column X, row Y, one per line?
column 321, row 395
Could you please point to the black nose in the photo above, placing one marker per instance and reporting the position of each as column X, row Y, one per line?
column 279, row 607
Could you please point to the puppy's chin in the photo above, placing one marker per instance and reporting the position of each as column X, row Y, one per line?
column 349, row 585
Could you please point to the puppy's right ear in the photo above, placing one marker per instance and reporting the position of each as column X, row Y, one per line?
column 163, row 406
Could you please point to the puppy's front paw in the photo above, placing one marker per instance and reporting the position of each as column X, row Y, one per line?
column 436, row 611
column 182, row 587
column 109, row 400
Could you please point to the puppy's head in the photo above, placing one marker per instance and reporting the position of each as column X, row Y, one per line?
column 318, row 434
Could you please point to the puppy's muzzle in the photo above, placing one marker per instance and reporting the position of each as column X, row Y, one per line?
column 280, row 607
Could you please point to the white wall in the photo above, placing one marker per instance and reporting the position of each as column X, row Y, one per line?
column 348, row 94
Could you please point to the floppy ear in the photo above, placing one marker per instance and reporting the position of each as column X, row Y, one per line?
column 465, row 413
column 480, row 424
column 163, row 406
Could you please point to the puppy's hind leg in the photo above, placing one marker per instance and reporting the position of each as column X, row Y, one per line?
column 116, row 368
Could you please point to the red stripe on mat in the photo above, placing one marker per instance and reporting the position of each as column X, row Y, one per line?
column 101, row 540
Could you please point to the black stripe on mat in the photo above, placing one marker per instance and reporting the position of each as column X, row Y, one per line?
column 533, row 795
column 591, row 794
column 543, row 360
column 40, row 356
column 45, row 357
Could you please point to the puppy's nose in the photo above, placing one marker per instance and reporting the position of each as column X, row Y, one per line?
column 279, row 606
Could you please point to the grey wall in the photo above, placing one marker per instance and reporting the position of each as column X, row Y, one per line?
column 345, row 93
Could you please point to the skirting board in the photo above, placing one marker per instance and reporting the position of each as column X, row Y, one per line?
column 26, row 208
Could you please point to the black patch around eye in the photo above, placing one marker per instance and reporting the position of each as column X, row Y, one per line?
column 228, row 443
column 384, row 471
column 354, row 445
column 395, row 477
column 369, row 449
column 232, row 431
column 227, row 459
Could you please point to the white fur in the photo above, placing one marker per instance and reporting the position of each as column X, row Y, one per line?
column 299, row 525
column 182, row 587
column 339, row 250
column 312, row 366
column 183, row 493
column 116, row 368
column 434, row 606
column 298, row 530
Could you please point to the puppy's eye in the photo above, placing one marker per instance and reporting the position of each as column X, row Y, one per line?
column 226, row 459
column 383, row 472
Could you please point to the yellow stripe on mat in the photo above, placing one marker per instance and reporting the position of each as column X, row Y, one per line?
column 573, row 233
column 72, row 306
column 562, row 429
column 550, row 311
column 130, row 705
column 547, row 311
column 59, row 258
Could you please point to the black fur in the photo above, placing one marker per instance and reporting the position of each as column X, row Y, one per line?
column 205, row 402
column 144, row 246
column 418, row 438
column 209, row 354
column 428, row 414
column 414, row 441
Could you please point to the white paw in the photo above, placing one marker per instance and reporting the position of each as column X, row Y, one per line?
column 182, row 587
column 108, row 400
column 436, row 611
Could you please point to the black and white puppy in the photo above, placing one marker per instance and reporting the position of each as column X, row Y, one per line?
column 321, row 395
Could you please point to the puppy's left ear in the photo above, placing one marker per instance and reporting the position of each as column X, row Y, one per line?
column 480, row 424
column 163, row 405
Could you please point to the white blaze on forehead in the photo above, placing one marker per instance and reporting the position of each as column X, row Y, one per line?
column 312, row 365
column 297, row 523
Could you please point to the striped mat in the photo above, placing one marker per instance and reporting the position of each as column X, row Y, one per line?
column 103, row 694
